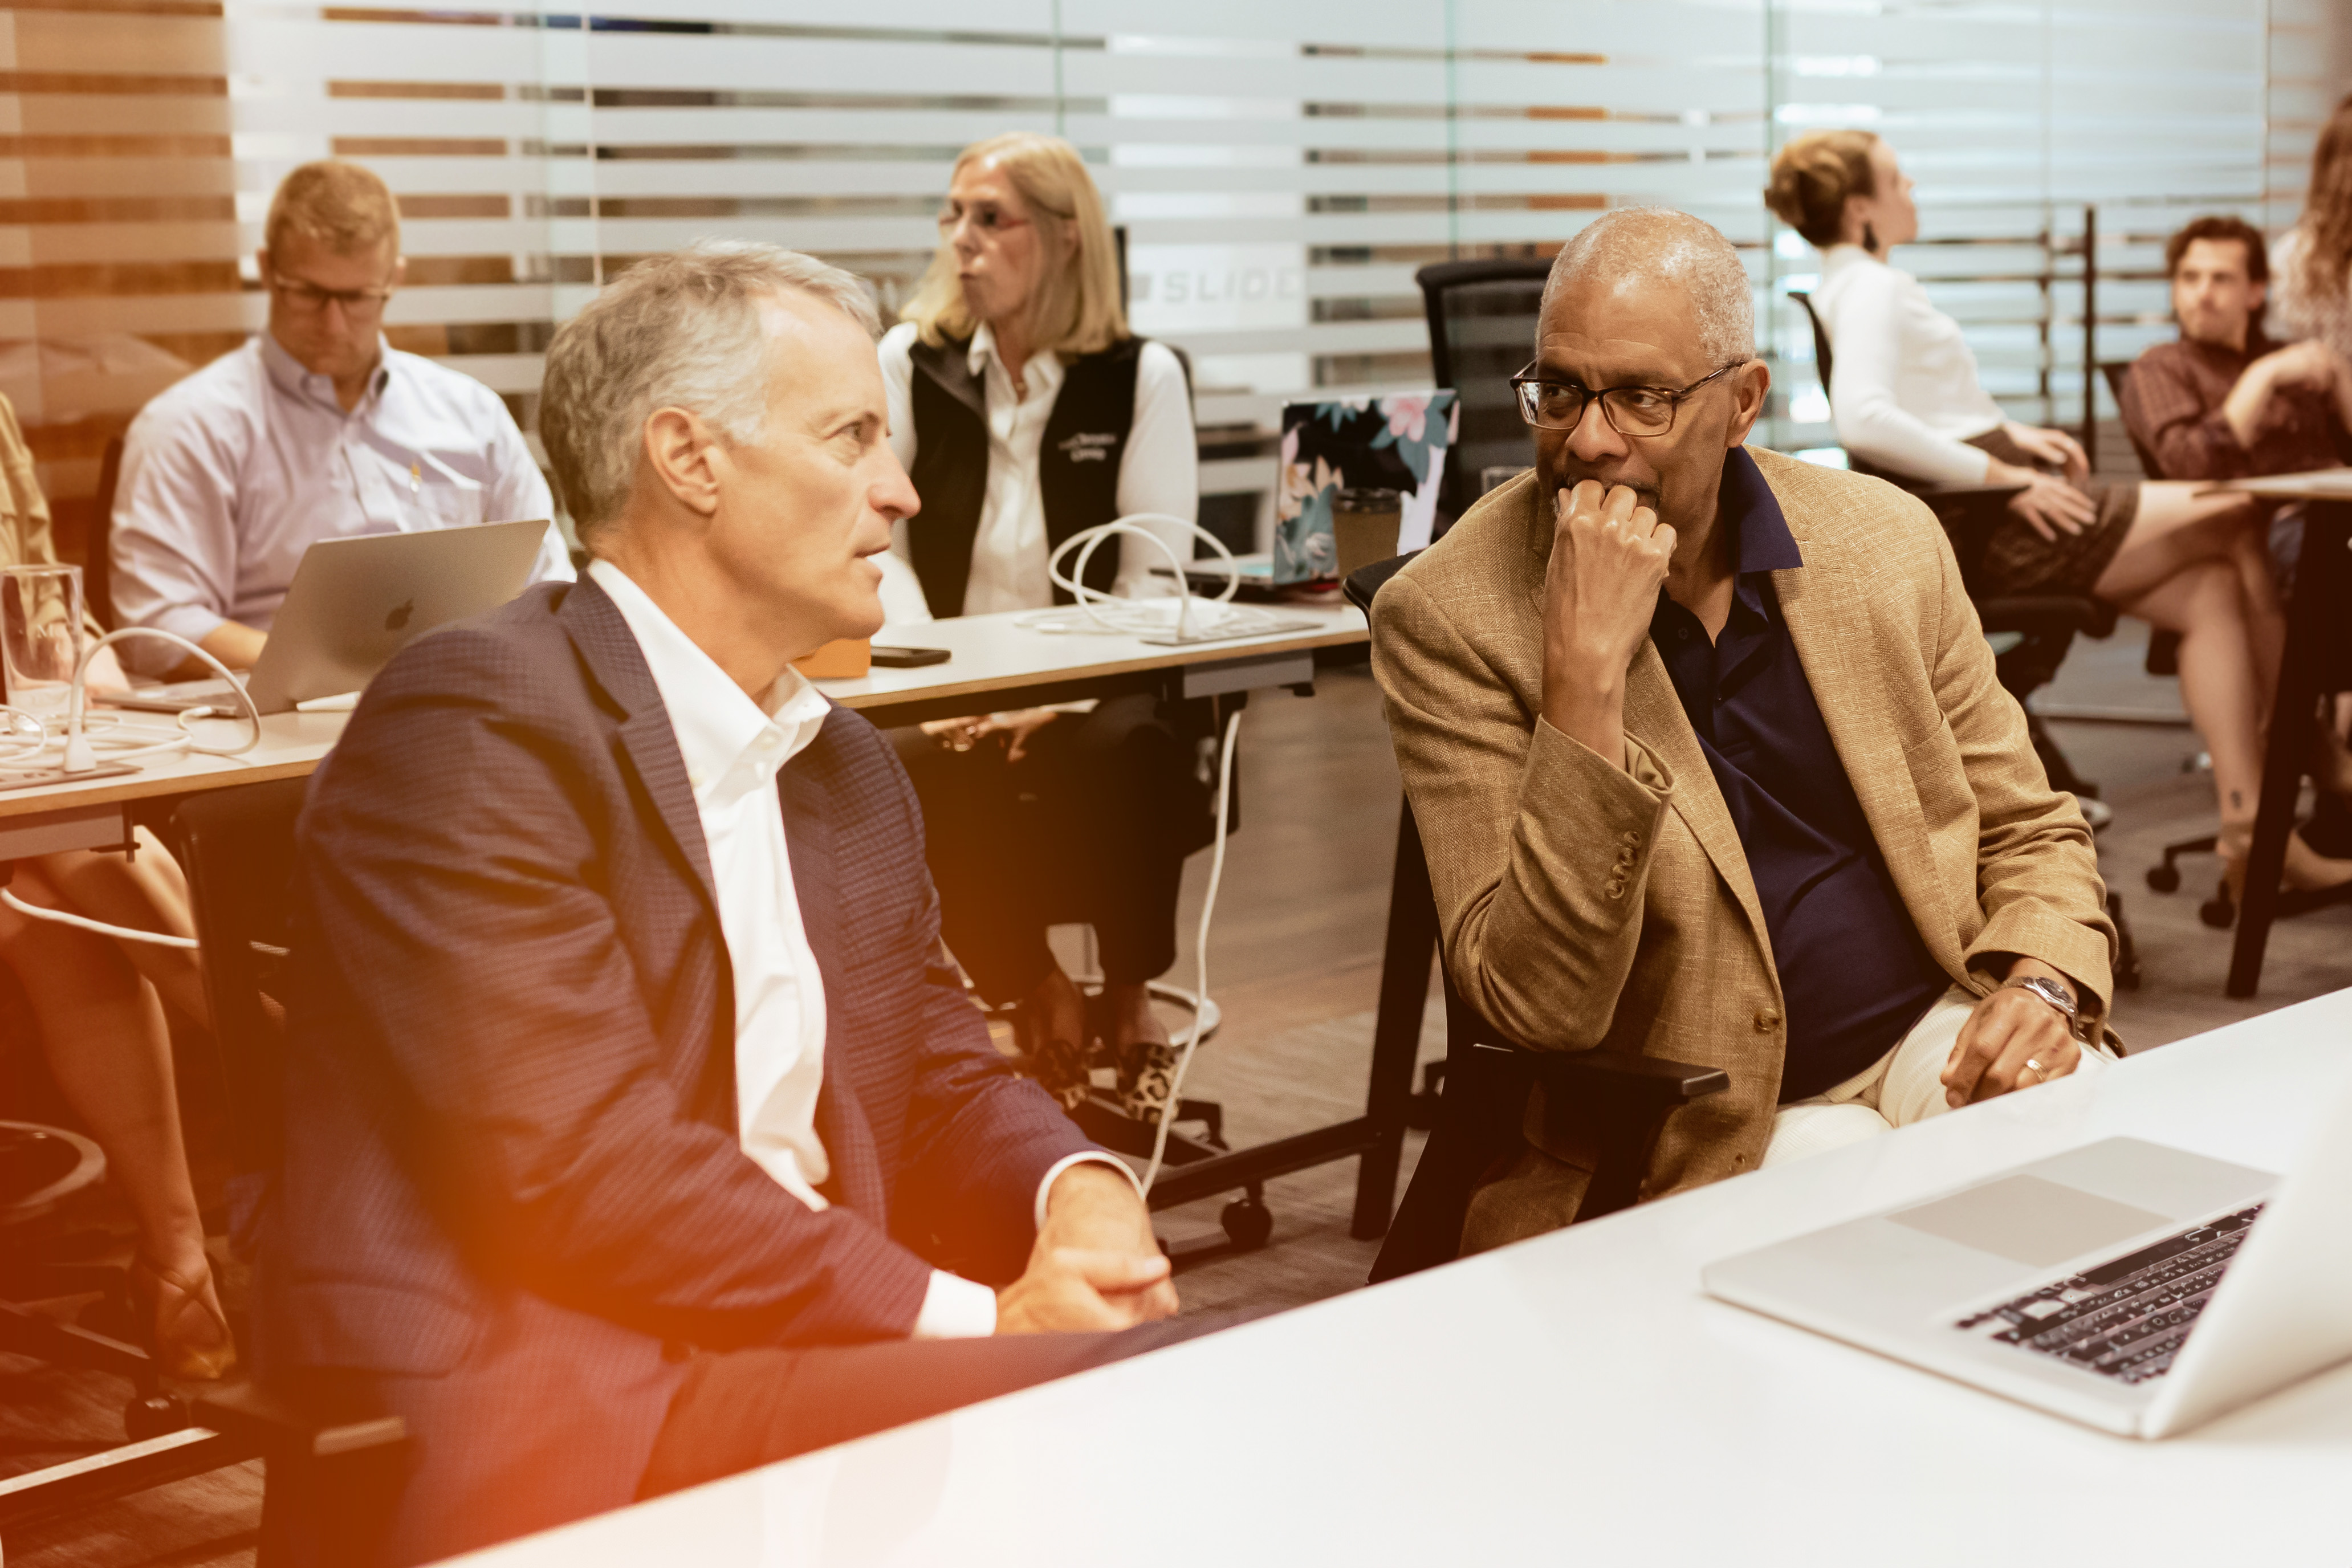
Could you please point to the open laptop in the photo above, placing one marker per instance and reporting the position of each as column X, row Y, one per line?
column 2135, row 1287
column 354, row 603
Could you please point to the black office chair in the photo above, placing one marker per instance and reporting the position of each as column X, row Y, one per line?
column 1197, row 1130
column 1614, row 1102
column 46, row 1257
column 97, row 552
column 330, row 1472
column 1482, row 331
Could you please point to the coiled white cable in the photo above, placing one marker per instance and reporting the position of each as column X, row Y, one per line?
column 1098, row 612
column 124, row 743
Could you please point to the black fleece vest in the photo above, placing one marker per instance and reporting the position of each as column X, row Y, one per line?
column 1078, row 461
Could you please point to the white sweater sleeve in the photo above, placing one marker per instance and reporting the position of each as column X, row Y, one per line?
column 1160, row 472
column 1866, row 343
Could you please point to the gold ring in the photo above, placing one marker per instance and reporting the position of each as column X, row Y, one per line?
column 2038, row 1070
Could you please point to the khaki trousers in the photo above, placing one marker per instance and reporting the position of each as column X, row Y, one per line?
column 1904, row 1086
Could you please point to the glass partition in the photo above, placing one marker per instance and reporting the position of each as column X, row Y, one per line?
column 1280, row 170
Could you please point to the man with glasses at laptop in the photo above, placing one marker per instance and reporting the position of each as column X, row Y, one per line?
column 1712, row 764
column 316, row 429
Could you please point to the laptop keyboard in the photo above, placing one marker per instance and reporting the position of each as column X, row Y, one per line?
column 2125, row 1319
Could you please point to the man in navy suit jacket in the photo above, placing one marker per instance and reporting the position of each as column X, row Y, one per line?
column 636, row 1133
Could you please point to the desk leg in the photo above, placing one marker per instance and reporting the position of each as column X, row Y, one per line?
column 1396, row 1035
column 2319, row 591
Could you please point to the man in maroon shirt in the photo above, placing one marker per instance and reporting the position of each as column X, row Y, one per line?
column 2225, row 402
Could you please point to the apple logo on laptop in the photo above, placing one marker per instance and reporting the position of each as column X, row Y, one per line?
column 399, row 616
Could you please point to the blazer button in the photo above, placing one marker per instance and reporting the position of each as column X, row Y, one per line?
column 1616, row 888
column 1767, row 1020
column 1630, row 838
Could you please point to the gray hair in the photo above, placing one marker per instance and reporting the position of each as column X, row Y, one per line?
column 1677, row 248
column 677, row 330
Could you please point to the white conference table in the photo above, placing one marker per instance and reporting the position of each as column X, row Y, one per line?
column 994, row 663
column 1576, row 1399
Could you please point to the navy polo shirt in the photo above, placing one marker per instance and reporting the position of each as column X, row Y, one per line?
column 1855, row 976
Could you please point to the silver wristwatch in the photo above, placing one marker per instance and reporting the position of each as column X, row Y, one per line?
column 2050, row 991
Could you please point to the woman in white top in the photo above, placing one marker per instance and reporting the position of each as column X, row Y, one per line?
column 1904, row 394
column 96, row 1008
column 1026, row 412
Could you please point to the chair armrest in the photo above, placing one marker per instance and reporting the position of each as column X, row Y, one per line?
column 2046, row 615
column 1615, row 1104
column 1624, row 1072
column 276, row 1424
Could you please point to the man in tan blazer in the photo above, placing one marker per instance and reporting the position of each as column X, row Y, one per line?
column 1710, row 756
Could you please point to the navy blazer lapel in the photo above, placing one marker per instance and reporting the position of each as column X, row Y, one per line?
column 841, row 1125
column 605, row 642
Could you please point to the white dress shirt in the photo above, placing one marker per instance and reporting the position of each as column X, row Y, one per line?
column 1159, row 471
column 733, row 749
column 229, row 475
column 1903, row 392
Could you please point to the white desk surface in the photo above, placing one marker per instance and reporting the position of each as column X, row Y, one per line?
column 991, row 654
column 1576, row 1399
column 88, row 814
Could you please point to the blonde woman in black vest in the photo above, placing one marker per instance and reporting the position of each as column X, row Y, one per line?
column 1027, row 413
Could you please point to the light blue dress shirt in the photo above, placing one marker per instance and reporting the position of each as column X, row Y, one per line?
column 230, row 474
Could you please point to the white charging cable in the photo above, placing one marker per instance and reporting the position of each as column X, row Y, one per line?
column 1107, row 612
column 80, row 743
column 80, row 746
column 125, row 932
column 1200, row 999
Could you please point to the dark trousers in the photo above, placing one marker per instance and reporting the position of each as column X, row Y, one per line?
column 739, row 1409
column 1092, row 824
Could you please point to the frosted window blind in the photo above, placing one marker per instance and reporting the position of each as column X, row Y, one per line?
column 1280, row 169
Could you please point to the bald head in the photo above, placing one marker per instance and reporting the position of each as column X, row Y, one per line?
column 1639, row 249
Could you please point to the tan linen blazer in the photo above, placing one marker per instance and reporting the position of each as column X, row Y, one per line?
column 1581, row 905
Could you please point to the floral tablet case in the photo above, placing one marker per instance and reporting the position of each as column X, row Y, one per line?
column 1397, row 442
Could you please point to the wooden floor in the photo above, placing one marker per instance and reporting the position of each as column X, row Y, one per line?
column 1295, row 965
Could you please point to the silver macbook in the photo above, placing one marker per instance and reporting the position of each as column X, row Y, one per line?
column 354, row 603
column 2125, row 1284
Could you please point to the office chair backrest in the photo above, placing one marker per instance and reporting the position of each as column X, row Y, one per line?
column 1482, row 331
column 1820, row 338
column 97, row 540
column 1823, row 358
column 1366, row 580
column 238, row 848
column 2118, row 374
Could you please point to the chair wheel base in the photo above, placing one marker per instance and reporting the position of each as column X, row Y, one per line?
column 2218, row 912
column 2164, row 878
column 1248, row 1223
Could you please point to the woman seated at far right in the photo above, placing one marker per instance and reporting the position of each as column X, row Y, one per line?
column 1906, row 397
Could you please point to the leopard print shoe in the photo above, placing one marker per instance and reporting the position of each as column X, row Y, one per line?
column 1147, row 1078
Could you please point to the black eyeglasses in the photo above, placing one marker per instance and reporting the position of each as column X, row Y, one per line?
column 308, row 298
column 1630, row 410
